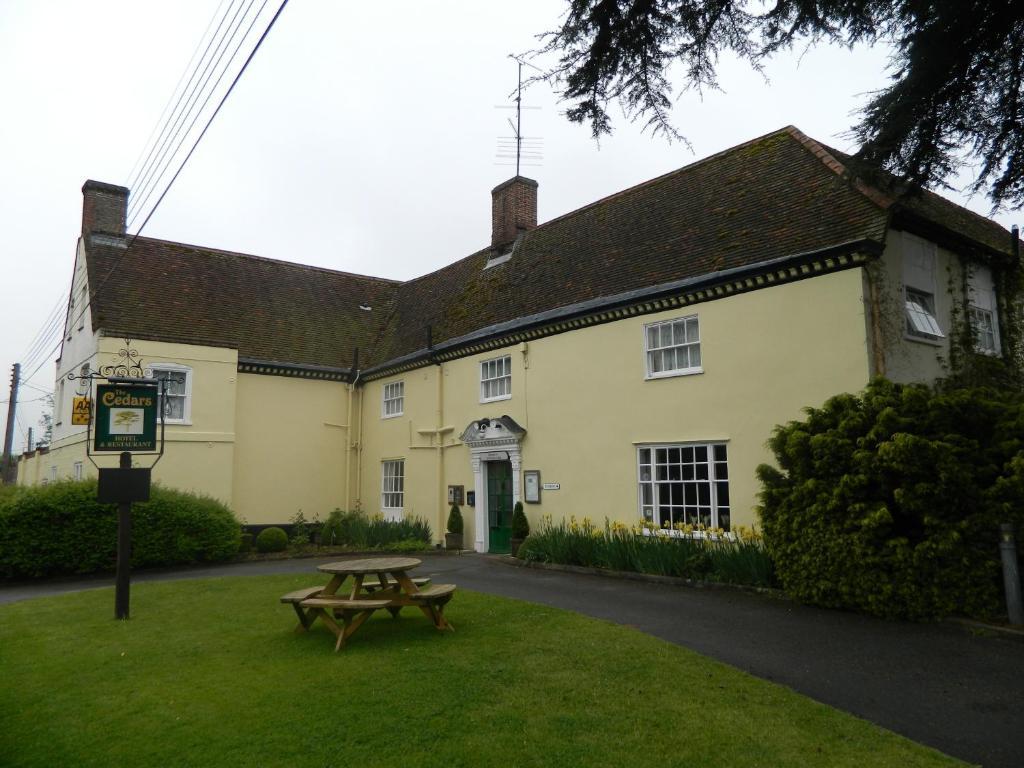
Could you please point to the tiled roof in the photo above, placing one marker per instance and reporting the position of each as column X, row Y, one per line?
column 266, row 309
column 779, row 195
column 767, row 198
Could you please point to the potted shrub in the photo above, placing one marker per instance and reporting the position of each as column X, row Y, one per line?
column 520, row 528
column 453, row 539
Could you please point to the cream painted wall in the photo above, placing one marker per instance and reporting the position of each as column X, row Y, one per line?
column 198, row 456
column 289, row 448
column 78, row 348
column 585, row 403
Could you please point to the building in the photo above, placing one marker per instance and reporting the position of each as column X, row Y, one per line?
column 627, row 360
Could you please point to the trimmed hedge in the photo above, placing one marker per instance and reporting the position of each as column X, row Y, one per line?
column 272, row 539
column 60, row 528
column 889, row 502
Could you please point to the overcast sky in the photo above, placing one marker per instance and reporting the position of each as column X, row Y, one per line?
column 362, row 137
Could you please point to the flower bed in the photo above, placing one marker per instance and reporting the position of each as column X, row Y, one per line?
column 696, row 553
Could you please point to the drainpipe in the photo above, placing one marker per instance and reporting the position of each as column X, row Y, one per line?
column 348, row 433
column 877, row 337
column 359, row 454
column 442, row 497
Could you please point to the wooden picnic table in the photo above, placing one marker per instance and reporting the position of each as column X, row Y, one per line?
column 377, row 582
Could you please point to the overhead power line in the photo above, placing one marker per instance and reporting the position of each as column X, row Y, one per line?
column 46, row 323
column 252, row 54
column 139, row 162
column 165, row 156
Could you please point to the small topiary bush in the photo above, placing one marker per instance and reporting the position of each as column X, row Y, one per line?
column 454, row 519
column 520, row 525
column 889, row 502
column 60, row 528
column 272, row 539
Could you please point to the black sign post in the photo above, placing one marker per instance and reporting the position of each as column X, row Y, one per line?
column 126, row 416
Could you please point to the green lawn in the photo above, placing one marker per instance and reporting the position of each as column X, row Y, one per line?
column 209, row 673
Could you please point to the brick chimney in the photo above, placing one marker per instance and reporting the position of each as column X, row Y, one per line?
column 513, row 209
column 104, row 208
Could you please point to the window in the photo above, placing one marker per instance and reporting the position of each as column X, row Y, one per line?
column 53, row 474
column 919, row 289
column 684, row 484
column 921, row 322
column 982, row 310
column 392, row 488
column 394, row 400
column 58, row 403
column 178, row 406
column 496, row 379
column 83, row 301
column 78, row 470
column 673, row 347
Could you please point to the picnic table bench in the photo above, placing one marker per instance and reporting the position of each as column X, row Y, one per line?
column 377, row 583
column 306, row 617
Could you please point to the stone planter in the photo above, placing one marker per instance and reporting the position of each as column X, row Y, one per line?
column 515, row 544
column 453, row 541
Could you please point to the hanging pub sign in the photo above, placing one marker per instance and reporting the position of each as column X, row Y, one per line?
column 80, row 412
column 125, row 418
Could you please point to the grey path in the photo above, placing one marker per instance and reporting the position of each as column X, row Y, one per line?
column 955, row 690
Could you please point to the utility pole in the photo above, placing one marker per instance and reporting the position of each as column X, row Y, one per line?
column 9, row 434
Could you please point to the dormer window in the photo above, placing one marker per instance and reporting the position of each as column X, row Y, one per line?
column 500, row 257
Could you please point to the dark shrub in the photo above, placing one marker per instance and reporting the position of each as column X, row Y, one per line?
column 889, row 502
column 455, row 519
column 245, row 543
column 60, row 528
column 272, row 539
column 520, row 525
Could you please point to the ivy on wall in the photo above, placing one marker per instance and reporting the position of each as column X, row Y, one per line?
column 964, row 365
column 967, row 366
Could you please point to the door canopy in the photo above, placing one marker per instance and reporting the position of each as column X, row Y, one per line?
column 491, row 434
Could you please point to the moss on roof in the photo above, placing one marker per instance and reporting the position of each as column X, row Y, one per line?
column 778, row 195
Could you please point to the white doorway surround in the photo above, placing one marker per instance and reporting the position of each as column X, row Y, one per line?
column 497, row 439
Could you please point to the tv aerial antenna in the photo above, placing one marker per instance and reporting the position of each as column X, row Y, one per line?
column 524, row 150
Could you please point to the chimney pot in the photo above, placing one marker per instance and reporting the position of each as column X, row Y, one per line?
column 104, row 208
column 513, row 209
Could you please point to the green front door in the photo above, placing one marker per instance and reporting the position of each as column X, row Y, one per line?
column 499, row 505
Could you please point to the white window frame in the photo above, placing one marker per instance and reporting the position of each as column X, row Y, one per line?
column 393, row 393
column 919, row 310
column 983, row 309
column 392, row 488
column 649, row 505
column 186, row 410
column 84, row 301
column 78, row 470
column 58, row 404
column 53, row 473
column 505, row 363
column 687, row 321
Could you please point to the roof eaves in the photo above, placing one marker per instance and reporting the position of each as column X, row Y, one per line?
column 871, row 247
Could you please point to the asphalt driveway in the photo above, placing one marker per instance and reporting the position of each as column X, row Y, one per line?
column 957, row 690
